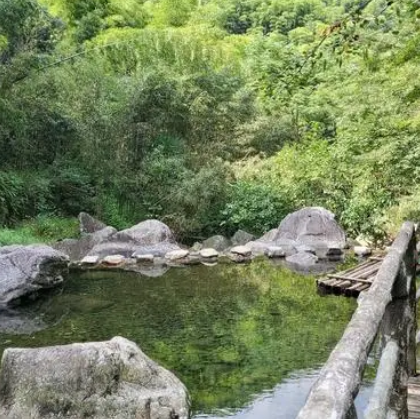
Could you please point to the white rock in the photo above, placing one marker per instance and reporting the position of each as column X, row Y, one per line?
column 362, row 251
column 90, row 260
column 147, row 258
column 241, row 250
column 275, row 252
column 113, row 260
column 209, row 253
column 177, row 254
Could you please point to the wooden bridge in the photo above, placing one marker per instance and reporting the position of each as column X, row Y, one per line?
column 387, row 311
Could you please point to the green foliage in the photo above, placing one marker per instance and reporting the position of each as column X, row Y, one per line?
column 42, row 229
column 140, row 98
column 254, row 207
column 72, row 191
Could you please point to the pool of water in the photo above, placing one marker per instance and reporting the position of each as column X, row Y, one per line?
column 247, row 340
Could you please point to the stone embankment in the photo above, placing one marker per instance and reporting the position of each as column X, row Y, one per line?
column 303, row 238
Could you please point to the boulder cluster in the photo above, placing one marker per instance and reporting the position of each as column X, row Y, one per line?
column 302, row 238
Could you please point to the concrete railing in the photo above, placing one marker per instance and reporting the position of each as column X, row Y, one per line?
column 387, row 310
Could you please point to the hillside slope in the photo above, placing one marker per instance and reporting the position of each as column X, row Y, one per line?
column 210, row 115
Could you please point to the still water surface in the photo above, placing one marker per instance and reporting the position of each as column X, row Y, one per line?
column 247, row 340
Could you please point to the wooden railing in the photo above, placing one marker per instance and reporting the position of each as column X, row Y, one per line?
column 387, row 310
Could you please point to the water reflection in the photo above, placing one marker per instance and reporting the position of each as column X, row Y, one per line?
column 230, row 332
column 285, row 401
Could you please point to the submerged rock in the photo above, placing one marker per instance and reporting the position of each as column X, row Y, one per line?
column 302, row 261
column 13, row 322
column 25, row 270
column 101, row 380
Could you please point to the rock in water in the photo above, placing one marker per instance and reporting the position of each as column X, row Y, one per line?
column 314, row 227
column 27, row 269
column 302, row 261
column 103, row 380
column 209, row 253
column 148, row 237
column 77, row 249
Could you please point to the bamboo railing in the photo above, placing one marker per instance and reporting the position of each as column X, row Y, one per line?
column 387, row 309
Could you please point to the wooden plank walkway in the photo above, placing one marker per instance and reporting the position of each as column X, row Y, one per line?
column 414, row 398
column 352, row 281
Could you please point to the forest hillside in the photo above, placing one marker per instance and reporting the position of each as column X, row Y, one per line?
column 210, row 115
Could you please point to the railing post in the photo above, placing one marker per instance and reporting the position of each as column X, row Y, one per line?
column 390, row 301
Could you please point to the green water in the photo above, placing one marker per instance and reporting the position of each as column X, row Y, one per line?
column 229, row 332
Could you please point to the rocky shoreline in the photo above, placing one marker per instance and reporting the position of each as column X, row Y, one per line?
column 115, row 379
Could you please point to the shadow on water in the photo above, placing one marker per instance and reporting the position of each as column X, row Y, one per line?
column 245, row 339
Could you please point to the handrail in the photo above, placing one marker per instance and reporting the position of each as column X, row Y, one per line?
column 390, row 301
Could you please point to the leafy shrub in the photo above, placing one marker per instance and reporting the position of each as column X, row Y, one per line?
column 72, row 191
column 23, row 195
column 254, row 207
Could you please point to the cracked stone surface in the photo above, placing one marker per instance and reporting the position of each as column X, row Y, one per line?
column 25, row 270
column 98, row 380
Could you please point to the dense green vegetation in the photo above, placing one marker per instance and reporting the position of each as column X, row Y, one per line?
column 229, row 332
column 210, row 114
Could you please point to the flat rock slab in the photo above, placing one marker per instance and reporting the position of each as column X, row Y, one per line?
column 101, row 380
column 25, row 270
column 147, row 258
column 209, row 253
column 275, row 252
column 114, row 260
column 177, row 254
column 241, row 250
column 90, row 260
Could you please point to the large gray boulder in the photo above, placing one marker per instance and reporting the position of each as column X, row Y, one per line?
column 77, row 249
column 148, row 237
column 103, row 380
column 24, row 270
column 146, row 233
column 218, row 243
column 314, row 227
